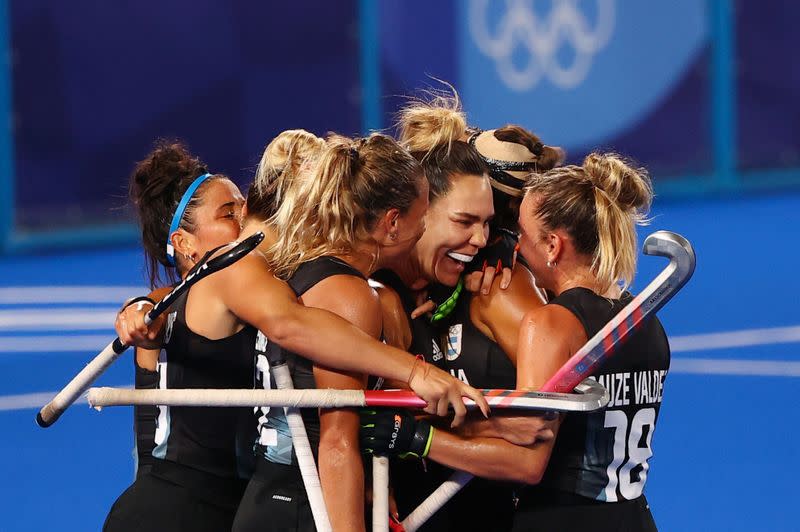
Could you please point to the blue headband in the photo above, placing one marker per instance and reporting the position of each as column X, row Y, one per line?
column 178, row 216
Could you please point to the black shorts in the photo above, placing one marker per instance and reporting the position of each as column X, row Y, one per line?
column 171, row 497
column 275, row 500
column 571, row 512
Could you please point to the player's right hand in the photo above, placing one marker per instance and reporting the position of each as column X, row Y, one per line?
column 131, row 329
column 526, row 429
column 440, row 390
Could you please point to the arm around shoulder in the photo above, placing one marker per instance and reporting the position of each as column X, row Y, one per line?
column 499, row 314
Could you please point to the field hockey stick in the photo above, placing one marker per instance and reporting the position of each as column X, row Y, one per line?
column 302, row 447
column 598, row 349
column 594, row 396
column 655, row 295
column 50, row 413
column 380, row 494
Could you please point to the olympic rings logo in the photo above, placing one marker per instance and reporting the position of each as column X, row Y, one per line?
column 541, row 38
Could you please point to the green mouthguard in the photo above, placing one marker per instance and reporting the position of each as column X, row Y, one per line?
column 449, row 305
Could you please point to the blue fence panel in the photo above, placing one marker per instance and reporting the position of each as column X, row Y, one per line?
column 767, row 84
column 96, row 84
column 689, row 89
column 6, row 136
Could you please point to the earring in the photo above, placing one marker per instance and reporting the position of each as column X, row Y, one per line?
column 188, row 257
column 393, row 236
column 551, row 264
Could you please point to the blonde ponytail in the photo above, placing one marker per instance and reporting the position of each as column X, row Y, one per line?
column 288, row 155
column 622, row 196
column 334, row 208
column 599, row 204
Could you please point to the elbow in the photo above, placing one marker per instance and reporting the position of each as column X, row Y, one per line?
column 530, row 471
column 336, row 446
column 516, row 468
column 281, row 328
column 278, row 332
column 532, row 478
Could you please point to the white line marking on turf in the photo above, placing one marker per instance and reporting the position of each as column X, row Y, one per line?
column 55, row 344
column 749, row 368
column 14, row 295
column 743, row 338
column 69, row 319
column 25, row 401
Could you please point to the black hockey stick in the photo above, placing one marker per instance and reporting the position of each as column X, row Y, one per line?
column 78, row 385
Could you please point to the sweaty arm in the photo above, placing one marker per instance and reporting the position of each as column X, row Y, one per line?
column 498, row 314
column 396, row 329
column 490, row 448
column 548, row 337
column 341, row 470
column 250, row 291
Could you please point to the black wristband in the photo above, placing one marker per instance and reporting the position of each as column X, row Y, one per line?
column 420, row 442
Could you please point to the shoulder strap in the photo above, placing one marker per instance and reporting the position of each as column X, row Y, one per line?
column 312, row 272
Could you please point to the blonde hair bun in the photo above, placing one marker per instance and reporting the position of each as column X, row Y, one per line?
column 427, row 123
column 625, row 184
column 288, row 151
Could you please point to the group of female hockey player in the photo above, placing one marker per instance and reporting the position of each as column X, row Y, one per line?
column 447, row 259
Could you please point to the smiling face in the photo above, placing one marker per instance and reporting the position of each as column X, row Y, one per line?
column 456, row 227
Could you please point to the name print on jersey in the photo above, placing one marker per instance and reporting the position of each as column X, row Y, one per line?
column 634, row 388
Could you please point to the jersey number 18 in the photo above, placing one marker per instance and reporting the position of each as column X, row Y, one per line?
column 627, row 443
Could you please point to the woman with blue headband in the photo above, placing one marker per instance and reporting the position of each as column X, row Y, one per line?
column 182, row 454
column 208, row 341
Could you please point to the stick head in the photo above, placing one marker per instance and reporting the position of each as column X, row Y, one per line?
column 677, row 249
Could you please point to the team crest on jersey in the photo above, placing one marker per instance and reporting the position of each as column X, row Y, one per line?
column 261, row 342
column 170, row 324
column 454, row 341
column 437, row 353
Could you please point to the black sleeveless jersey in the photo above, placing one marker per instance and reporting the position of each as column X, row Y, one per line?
column 469, row 355
column 144, row 419
column 481, row 505
column 604, row 455
column 274, row 437
column 206, row 439
column 423, row 339
column 480, row 362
